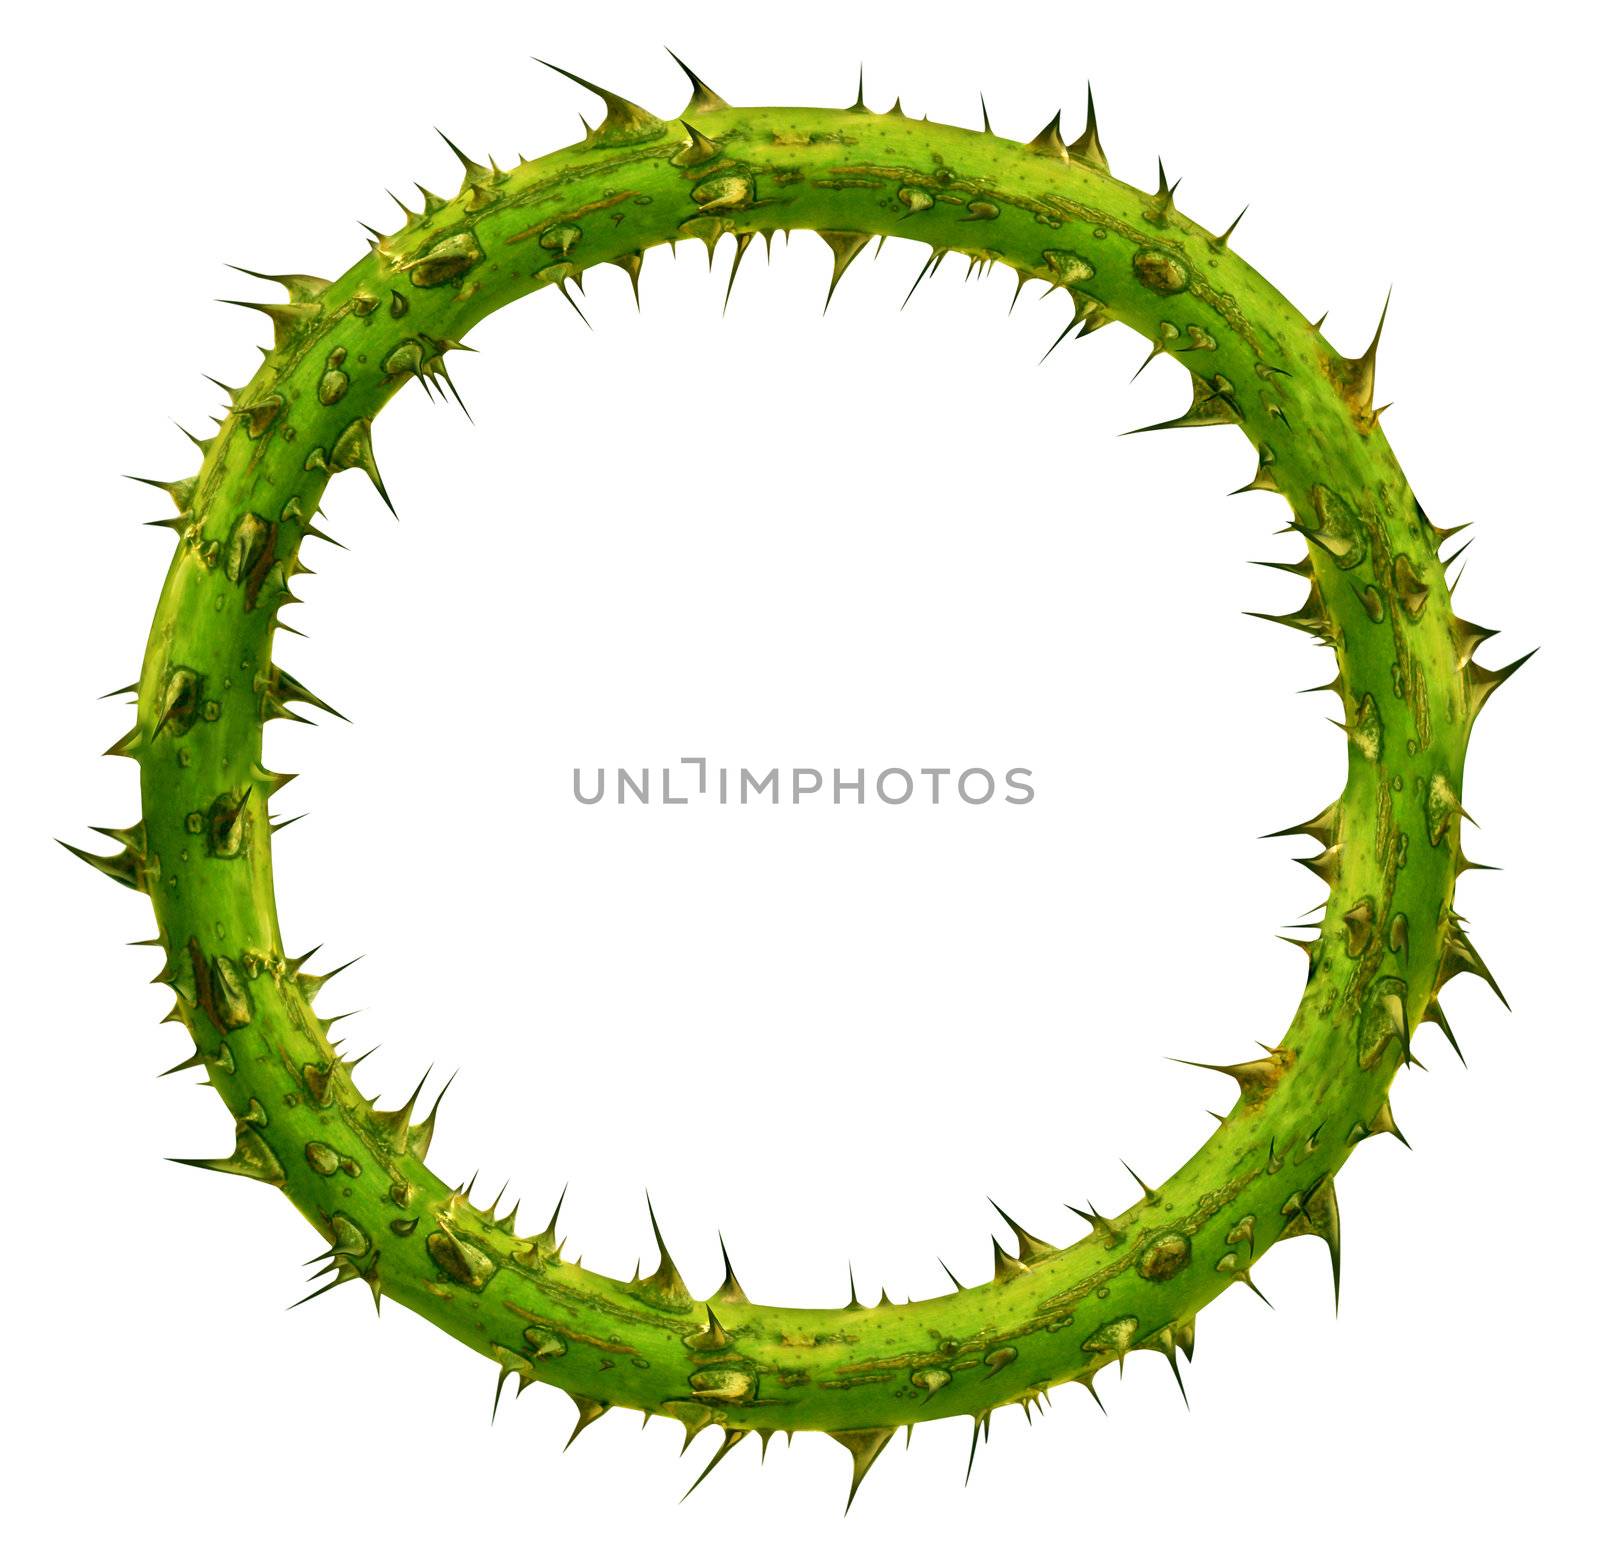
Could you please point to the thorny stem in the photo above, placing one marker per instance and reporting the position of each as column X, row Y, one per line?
column 1388, row 848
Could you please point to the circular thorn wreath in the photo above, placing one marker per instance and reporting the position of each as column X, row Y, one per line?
column 1387, row 849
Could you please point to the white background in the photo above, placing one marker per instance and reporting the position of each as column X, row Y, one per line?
column 868, row 539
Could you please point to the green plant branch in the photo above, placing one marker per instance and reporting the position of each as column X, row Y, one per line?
column 1387, row 849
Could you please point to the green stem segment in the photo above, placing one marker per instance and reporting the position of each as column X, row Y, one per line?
column 1387, row 849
